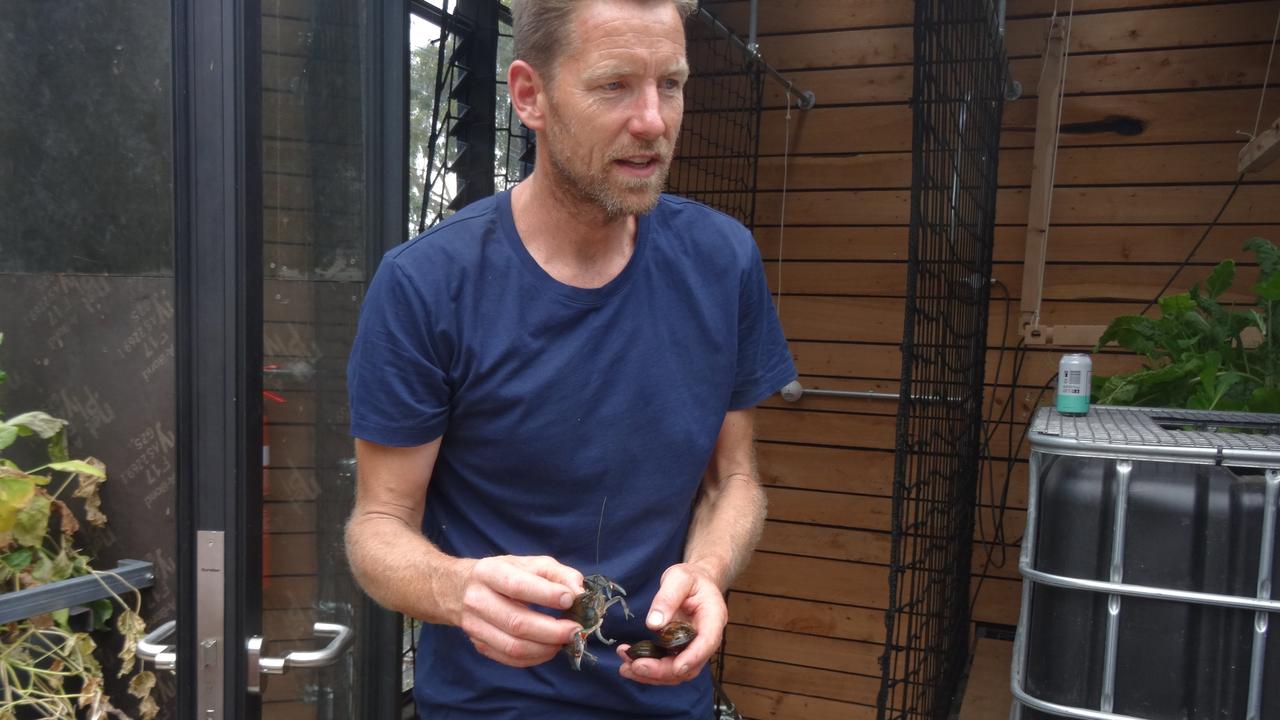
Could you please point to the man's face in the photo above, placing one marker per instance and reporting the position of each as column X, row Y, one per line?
column 614, row 107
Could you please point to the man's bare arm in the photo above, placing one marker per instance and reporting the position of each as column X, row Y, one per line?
column 727, row 521
column 399, row 568
column 730, row 512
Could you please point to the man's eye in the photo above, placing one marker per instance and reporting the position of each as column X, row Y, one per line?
column 672, row 84
column 615, row 85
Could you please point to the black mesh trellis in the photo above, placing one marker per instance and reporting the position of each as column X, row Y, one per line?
column 958, row 99
column 719, row 137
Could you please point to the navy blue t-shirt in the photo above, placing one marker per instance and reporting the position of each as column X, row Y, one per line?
column 554, row 401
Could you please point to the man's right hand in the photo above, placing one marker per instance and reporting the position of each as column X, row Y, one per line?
column 493, row 607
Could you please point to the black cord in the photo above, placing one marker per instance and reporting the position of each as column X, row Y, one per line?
column 1010, row 463
column 1194, row 248
column 991, row 406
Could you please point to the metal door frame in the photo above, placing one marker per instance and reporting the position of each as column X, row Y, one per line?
column 218, row 247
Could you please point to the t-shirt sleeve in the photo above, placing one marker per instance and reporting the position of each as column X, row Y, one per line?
column 397, row 384
column 764, row 361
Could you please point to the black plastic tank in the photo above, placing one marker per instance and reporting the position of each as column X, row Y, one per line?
column 1147, row 567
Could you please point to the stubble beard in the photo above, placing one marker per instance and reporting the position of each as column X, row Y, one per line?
column 614, row 196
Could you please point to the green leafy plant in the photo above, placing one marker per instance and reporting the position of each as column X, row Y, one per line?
column 48, row 668
column 1201, row 353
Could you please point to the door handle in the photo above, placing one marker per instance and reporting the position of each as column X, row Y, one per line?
column 327, row 655
column 151, row 648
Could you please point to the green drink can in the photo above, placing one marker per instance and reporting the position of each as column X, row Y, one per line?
column 1075, row 381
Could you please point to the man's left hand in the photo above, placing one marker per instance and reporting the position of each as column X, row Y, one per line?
column 687, row 592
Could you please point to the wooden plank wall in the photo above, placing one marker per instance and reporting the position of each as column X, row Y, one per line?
column 807, row 617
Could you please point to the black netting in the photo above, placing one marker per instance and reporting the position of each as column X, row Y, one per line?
column 958, row 99
column 719, row 138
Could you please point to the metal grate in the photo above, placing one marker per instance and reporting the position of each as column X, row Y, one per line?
column 719, row 136
column 958, row 98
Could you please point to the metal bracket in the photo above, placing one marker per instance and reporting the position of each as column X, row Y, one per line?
column 127, row 577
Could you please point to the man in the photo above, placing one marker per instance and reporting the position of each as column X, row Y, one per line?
column 559, row 381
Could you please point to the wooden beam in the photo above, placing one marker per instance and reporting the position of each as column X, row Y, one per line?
column 1262, row 150
column 1042, row 162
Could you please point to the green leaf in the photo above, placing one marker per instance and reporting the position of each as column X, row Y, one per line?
column 42, row 571
column 1131, row 332
column 42, row 424
column 1269, row 289
column 1176, row 305
column 8, row 433
column 32, row 522
column 102, row 609
column 58, row 447
column 1265, row 399
column 1209, row 375
column 18, row 560
column 77, row 466
column 1268, row 255
column 62, row 617
column 1221, row 278
column 16, row 489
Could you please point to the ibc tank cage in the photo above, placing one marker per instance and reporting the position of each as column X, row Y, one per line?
column 1148, row 560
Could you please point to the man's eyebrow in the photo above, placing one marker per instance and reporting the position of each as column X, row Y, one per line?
column 610, row 70
column 606, row 71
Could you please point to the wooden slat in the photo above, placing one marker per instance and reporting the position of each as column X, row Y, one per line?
column 813, row 682
column 1183, row 204
column 807, row 650
column 289, row 592
column 1137, row 165
column 757, row 704
column 867, row 472
column 1061, row 281
column 289, row 517
column 1067, row 243
column 793, row 16
column 293, row 554
column 805, row 616
column 1129, row 71
column 879, row 320
column 874, row 547
column 832, row 581
column 1212, row 115
column 1220, row 24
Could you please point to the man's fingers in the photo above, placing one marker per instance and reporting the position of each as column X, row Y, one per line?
column 651, row 671
column 677, row 584
column 516, row 579
column 488, row 651
column 487, row 608
column 554, row 571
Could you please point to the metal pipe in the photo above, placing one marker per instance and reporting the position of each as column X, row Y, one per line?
column 793, row 391
column 804, row 99
column 753, row 26
column 1261, row 620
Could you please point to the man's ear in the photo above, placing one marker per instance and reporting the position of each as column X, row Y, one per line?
column 525, row 87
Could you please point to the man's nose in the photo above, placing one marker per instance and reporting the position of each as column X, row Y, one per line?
column 647, row 121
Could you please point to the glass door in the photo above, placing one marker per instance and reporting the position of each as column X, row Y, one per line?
column 283, row 155
column 316, row 235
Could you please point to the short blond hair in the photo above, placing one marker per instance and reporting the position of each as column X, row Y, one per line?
column 541, row 28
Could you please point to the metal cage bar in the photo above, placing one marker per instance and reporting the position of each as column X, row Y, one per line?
column 958, row 97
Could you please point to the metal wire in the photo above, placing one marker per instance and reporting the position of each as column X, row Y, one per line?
column 720, row 135
column 959, row 84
